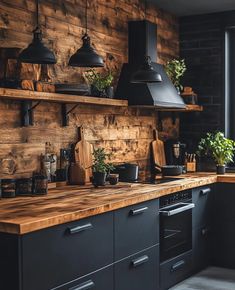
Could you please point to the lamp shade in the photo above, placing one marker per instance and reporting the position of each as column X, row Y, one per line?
column 86, row 56
column 146, row 73
column 37, row 52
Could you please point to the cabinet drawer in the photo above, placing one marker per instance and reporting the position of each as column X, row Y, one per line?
column 139, row 271
column 201, row 212
column 201, row 248
column 175, row 270
column 136, row 228
column 60, row 254
column 99, row 280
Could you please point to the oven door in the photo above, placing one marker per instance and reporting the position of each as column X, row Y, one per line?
column 175, row 230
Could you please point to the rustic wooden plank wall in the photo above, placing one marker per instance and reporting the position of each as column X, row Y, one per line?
column 124, row 131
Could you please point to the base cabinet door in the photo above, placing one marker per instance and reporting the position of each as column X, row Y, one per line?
column 175, row 270
column 223, row 226
column 100, row 280
column 138, row 272
column 136, row 228
column 62, row 253
column 201, row 248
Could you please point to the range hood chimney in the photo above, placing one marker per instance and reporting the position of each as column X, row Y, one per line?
column 142, row 41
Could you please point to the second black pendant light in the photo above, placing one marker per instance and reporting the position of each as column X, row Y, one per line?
column 86, row 56
column 146, row 72
column 37, row 52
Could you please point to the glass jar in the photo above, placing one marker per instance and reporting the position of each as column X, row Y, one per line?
column 8, row 187
column 24, row 186
column 40, row 184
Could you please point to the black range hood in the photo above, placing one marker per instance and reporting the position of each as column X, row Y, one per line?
column 142, row 40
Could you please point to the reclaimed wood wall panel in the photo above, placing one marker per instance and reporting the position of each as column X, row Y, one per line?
column 127, row 132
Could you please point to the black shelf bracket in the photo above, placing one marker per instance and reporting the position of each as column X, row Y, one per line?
column 27, row 109
column 65, row 113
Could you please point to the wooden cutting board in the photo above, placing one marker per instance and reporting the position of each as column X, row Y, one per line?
column 158, row 150
column 83, row 154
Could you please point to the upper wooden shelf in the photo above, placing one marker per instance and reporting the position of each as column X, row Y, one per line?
column 74, row 99
column 59, row 98
column 188, row 108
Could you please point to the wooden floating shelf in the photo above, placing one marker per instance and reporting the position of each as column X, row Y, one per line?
column 188, row 108
column 24, row 95
column 28, row 97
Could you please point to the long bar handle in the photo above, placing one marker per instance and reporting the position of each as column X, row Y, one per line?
column 205, row 191
column 138, row 211
column 139, row 261
column 184, row 207
column 78, row 229
column 177, row 265
column 84, row 286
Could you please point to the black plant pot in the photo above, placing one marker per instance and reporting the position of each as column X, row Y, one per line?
column 220, row 169
column 99, row 178
column 106, row 93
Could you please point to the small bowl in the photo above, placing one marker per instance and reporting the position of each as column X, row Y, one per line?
column 113, row 178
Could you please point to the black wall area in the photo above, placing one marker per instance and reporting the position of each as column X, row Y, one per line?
column 202, row 46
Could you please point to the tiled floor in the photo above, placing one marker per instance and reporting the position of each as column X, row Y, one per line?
column 211, row 278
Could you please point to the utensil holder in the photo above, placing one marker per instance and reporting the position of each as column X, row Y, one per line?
column 191, row 166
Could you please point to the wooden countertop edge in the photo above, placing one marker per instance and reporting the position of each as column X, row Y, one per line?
column 39, row 224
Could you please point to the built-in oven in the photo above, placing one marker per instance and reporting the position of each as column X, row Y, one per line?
column 175, row 224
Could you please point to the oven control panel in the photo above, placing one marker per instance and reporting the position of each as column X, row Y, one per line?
column 175, row 198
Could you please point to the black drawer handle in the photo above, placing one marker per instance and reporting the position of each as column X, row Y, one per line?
column 84, row 286
column 205, row 191
column 177, row 265
column 78, row 229
column 139, row 261
column 138, row 211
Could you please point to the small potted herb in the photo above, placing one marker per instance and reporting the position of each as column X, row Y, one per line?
column 100, row 167
column 218, row 147
column 100, row 83
column 175, row 69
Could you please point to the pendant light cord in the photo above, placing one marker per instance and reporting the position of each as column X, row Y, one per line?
column 37, row 13
column 86, row 16
column 147, row 57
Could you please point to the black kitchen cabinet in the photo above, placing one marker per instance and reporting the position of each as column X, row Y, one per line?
column 100, row 280
column 139, row 271
column 201, row 248
column 175, row 270
column 201, row 224
column 136, row 228
column 223, row 226
column 62, row 253
column 201, row 197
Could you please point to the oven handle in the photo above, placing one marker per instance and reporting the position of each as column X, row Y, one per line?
column 184, row 207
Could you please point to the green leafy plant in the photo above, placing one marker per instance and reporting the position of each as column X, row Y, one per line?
column 218, row 147
column 99, row 161
column 98, row 80
column 175, row 69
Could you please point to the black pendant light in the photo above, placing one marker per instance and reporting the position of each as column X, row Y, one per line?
column 37, row 52
column 146, row 72
column 86, row 56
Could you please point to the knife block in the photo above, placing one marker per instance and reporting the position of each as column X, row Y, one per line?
column 190, row 166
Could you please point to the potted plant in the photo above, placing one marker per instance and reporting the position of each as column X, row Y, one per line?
column 100, row 83
column 221, row 149
column 100, row 167
column 175, row 69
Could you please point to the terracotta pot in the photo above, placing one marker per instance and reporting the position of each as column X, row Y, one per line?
column 220, row 169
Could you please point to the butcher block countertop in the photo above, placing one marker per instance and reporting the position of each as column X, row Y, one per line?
column 23, row 215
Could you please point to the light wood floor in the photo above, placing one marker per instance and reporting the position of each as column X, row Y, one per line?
column 211, row 278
